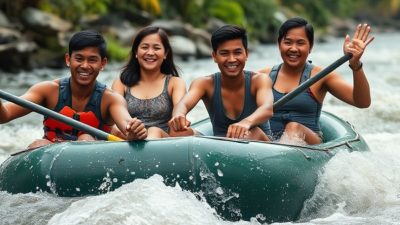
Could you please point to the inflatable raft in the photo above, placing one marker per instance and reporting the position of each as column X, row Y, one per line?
column 240, row 179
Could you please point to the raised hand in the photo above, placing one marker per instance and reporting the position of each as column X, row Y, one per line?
column 358, row 43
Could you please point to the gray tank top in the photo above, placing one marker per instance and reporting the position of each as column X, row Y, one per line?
column 304, row 108
column 154, row 112
column 216, row 109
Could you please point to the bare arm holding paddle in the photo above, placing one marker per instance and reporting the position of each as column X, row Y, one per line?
column 298, row 104
column 76, row 107
column 36, row 94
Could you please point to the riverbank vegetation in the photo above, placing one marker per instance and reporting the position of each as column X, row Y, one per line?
column 195, row 19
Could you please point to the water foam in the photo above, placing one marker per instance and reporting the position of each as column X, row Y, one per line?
column 147, row 201
column 359, row 184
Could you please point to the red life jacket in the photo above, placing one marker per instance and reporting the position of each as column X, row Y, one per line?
column 56, row 131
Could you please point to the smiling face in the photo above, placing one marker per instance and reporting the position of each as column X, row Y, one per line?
column 295, row 47
column 85, row 65
column 151, row 53
column 231, row 57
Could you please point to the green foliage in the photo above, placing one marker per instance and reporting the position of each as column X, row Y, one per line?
column 74, row 9
column 198, row 12
column 316, row 11
column 151, row 6
column 342, row 8
column 260, row 17
column 193, row 13
column 115, row 51
column 228, row 11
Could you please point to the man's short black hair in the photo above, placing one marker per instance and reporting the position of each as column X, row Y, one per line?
column 228, row 32
column 87, row 38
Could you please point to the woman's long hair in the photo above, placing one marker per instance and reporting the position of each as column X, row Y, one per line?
column 130, row 74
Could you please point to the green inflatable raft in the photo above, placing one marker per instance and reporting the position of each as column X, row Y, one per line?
column 240, row 179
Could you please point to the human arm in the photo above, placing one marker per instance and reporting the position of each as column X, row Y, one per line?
column 357, row 94
column 178, row 89
column 132, row 128
column 262, row 89
column 38, row 94
column 118, row 87
column 196, row 92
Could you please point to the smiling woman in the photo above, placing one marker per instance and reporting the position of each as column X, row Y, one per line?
column 299, row 119
column 150, row 82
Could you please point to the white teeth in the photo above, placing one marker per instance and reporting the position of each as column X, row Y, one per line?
column 84, row 74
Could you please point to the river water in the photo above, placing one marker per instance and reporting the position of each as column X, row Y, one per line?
column 357, row 188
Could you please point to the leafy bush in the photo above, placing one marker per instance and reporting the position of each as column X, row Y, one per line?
column 115, row 51
column 73, row 10
column 227, row 11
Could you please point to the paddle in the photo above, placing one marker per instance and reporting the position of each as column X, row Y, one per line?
column 311, row 81
column 67, row 120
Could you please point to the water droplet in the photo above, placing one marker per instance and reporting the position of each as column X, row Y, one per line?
column 157, row 166
column 115, row 180
column 133, row 173
column 190, row 177
column 216, row 164
column 261, row 217
column 219, row 191
column 78, row 189
column 220, row 173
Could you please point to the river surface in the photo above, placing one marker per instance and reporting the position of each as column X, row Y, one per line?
column 357, row 188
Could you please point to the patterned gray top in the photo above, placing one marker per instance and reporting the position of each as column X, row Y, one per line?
column 154, row 112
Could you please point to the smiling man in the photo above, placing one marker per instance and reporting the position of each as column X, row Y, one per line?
column 238, row 102
column 79, row 96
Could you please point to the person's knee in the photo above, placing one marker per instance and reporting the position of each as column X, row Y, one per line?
column 293, row 126
column 155, row 132
column 86, row 137
column 188, row 132
column 257, row 133
column 39, row 143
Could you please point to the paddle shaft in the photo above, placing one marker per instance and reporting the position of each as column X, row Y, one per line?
column 67, row 120
column 311, row 81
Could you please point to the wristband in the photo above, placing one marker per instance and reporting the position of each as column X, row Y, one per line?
column 360, row 65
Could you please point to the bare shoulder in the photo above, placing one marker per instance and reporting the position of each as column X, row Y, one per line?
column 117, row 81
column 118, row 86
column 176, row 80
column 204, row 81
column 266, row 70
column 111, row 96
column 260, row 78
column 46, row 87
